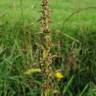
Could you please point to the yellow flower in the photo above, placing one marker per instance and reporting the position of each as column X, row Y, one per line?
column 32, row 70
column 59, row 75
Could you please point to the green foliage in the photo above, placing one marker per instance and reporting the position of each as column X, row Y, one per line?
column 20, row 47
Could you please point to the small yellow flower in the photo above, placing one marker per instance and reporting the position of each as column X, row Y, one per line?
column 59, row 75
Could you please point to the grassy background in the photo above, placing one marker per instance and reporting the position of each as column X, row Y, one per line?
column 60, row 10
column 19, row 25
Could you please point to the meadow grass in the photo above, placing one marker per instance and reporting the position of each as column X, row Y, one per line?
column 60, row 10
column 20, row 47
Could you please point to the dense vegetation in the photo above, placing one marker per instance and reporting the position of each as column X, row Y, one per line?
column 71, row 59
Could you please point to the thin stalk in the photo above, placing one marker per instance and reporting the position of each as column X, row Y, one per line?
column 46, row 56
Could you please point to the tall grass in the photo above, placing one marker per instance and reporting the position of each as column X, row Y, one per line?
column 22, row 50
